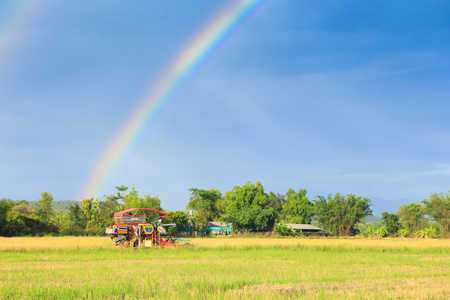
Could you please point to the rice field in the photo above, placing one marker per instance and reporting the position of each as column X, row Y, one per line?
column 226, row 268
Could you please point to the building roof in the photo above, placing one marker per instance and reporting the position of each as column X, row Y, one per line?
column 304, row 227
column 217, row 224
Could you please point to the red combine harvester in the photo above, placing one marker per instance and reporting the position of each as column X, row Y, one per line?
column 132, row 230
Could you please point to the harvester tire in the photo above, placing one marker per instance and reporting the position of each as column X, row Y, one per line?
column 122, row 241
column 123, row 244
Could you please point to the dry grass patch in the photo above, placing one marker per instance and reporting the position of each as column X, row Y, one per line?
column 80, row 243
column 54, row 243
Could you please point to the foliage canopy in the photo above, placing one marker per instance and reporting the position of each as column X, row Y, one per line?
column 339, row 214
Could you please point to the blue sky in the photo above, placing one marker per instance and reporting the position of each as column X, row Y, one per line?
column 330, row 96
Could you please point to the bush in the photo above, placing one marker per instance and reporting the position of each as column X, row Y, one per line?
column 382, row 232
column 369, row 232
column 283, row 230
column 420, row 233
column 402, row 232
column 430, row 232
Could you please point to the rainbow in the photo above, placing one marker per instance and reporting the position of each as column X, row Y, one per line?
column 183, row 66
column 12, row 21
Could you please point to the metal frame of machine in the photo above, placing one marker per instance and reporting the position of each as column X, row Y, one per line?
column 131, row 230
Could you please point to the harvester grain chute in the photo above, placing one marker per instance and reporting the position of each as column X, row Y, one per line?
column 132, row 230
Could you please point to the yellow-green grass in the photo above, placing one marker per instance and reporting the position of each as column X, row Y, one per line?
column 385, row 244
column 347, row 243
column 224, row 268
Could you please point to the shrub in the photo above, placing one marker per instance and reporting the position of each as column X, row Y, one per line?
column 430, row 232
column 402, row 232
column 283, row 230
column 369, row 232
column 420, row 233
column 381, row 232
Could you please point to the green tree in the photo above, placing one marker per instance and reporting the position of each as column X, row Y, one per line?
column 339, row 214
column 391, row 222
column 20, row 225
column 110, row 206
column 5, row 207
column 152, row 202
column 60, row 220
column 22, row 220
column 18, row 219
column 252, row 218
column 76, row 221
column 246, row 208
column 412, row 217
column 249, row 195
column 24, row 209
column 90, row 211
column 204, row 204
column 132, row 200
column 297, row 209
column 438, row 207
column 107, row 210
column 276, row 202
column 178, row 217
column 44, row 210
column 121, row 189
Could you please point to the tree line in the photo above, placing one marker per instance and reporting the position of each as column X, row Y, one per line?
column 248, row 207
column 428, row 218
column 89, row 217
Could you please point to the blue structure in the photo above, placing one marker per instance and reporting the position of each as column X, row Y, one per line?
column 215, row 228
column 218, row 228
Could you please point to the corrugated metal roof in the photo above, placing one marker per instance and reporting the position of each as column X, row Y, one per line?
column 217, row 224
column 304, row 227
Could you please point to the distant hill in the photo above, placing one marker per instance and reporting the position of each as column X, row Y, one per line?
column 373, row 219
column 58, row 204
column 391, row 206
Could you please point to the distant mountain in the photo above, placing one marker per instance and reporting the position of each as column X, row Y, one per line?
column 58, row 204
column 373, row 219
column 384, row 205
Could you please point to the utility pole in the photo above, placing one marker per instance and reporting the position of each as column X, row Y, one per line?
column 191, row 213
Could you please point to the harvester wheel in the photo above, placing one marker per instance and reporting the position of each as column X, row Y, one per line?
column 122, row 242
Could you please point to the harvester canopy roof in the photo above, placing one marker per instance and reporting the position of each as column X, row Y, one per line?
column 119, row 215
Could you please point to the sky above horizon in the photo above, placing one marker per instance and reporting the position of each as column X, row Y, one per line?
column 331, row 97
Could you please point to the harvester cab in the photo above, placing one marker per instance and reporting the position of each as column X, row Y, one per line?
column 131, row 230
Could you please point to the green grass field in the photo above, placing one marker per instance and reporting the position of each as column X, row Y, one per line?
column 226, row 268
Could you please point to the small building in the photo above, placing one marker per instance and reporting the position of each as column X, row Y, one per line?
column 306, row 228
column 212, row 228
column 217, row 228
